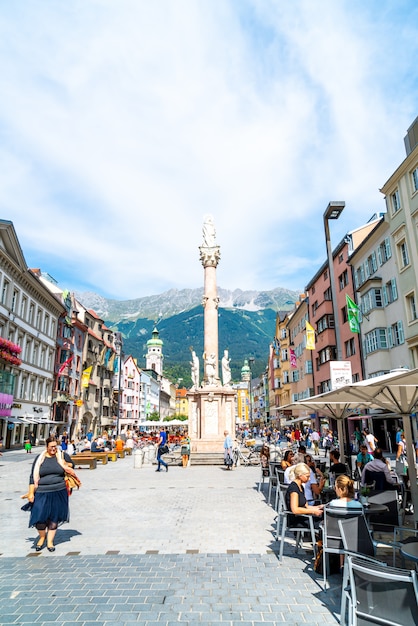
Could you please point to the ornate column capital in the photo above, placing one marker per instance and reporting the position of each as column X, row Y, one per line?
column 210, row 257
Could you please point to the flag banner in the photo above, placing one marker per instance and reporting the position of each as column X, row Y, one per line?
column 64, row 365
column 353, row 315
column 293, row 362
column 85, row 377
column 310, row 337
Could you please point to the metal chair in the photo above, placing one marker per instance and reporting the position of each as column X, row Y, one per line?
column 282, row 525
column 331, row 535
column 273, row 481
column 378, row 594
column 357, row 538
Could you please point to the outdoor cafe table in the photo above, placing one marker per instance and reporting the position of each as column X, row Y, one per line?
column 374, row 508
column 410, row 550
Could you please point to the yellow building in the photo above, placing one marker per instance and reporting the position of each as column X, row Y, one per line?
column 182, row 403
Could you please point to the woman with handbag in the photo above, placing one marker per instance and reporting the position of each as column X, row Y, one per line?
column 48, row 493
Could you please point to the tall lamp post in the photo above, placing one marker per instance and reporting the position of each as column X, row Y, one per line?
column 333, row 212
column 118, row 346
column 251, row 363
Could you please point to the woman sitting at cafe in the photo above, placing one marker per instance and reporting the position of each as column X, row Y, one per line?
column 287, row 460
column 344, row 489
column 295, row 497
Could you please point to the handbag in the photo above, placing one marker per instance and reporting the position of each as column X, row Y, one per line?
column 163, row 450
column 71, row 482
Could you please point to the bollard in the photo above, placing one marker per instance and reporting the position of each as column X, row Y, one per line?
column 138, row 459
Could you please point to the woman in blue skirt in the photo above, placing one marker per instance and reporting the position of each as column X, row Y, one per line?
column 48, row 493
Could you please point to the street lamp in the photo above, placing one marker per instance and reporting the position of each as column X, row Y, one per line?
column 118, row 346
column 251, row 363
column 333, row 212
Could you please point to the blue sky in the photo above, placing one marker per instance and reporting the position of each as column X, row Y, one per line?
column 122, row 124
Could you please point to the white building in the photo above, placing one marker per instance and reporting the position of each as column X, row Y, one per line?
column 28, row 317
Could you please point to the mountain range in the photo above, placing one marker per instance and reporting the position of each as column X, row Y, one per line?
column 247, row 321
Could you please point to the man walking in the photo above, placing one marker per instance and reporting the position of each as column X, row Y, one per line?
column 162, row 440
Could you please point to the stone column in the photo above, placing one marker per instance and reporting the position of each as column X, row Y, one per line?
column 210, row 258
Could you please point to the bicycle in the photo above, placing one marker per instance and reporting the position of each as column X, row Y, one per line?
column 252, row 458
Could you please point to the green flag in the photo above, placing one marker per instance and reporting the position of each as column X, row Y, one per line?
column 353, row 314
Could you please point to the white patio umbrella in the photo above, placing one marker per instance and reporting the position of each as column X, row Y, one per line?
column 395, row 393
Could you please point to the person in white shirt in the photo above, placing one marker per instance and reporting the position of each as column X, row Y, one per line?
column 370, row 441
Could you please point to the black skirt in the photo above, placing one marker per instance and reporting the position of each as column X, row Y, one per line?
column 50, row 507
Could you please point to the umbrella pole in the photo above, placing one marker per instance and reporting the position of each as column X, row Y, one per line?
column 412, row 472
column 341, row 440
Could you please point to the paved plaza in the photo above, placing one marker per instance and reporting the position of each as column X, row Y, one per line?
column 190, row 546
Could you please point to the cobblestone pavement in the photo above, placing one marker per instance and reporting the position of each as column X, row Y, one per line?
column 190, row 546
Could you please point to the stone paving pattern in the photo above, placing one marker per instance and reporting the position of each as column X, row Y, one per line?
column 190, row 546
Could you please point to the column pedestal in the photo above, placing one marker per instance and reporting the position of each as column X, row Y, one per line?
column 211, row 412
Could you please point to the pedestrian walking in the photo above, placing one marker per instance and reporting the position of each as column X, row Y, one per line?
column 161, row 449
column 228, row 458
column 48, row 494
column 185, row 449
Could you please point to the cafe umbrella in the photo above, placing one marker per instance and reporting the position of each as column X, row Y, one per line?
column 395, row 393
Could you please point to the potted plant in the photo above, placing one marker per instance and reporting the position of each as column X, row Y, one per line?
column 364, row 495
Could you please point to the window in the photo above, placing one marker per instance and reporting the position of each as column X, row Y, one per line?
column 403, row 254
column 327, row 321
column 39, row 319
column 359, row 276
column 328, row 354
column 15, row 299
column 375, row 340
column 396, row 201
column 23, row 305
column 5, row 291
column 384, row 251
column 314, row 307
column 343, row 280
column 371, row 300
column 411, row 307
column 31, row 313
column 350, row 347
column 415, row 180
column 370, row 265
column 327, row 294
column 396, row 335
column 390, row 292
column 295, row 376
column 308, row 367
column 284, row 354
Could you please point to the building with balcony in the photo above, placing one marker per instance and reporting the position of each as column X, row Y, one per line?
column 29, row 316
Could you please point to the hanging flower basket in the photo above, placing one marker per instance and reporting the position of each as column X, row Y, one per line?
column 9, row 352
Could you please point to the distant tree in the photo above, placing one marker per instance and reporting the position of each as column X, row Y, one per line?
column 154, row 417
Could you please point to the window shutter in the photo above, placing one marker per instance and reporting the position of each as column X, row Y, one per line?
column 385, row 296
column 394, row 289
column 401, row 333
column 390, row 338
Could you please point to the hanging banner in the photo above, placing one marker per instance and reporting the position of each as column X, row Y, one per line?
column 310, row 337
column 85, row 377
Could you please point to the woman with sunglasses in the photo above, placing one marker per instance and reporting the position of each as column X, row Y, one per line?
column 287, row 460
column 48, row 493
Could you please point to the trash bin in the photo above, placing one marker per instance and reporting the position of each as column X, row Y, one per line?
column 138, row 459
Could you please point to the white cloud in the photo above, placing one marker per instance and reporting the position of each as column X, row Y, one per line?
column 123, row 124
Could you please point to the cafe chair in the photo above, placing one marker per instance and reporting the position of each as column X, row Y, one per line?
column 378, row 594
column 357, row 538
column 273, row 482
column 387, row 521
column 331, row 535
column 282, row 524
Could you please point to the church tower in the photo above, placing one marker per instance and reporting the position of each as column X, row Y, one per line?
column 154, row 356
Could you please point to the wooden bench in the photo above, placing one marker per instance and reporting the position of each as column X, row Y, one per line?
column 100, row 456
column 120, row 453
column 112, row 456
column 128, row 451
column 84, row 459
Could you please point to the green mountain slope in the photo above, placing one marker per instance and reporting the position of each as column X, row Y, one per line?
column 243, row 333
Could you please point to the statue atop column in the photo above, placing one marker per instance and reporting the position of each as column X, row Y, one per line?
column 209, row 232
column 195, row 369
column 226, row 369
